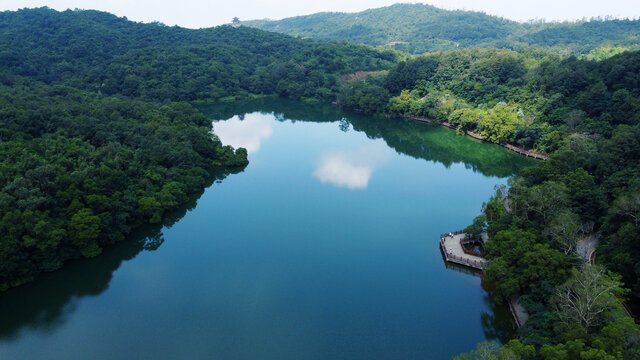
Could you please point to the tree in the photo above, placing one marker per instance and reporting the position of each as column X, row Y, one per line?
column 401, row 104
column 565, row 230
column 478, row 226
column 495, row 209
column 489, row 350
column 150, row 209
column 628, row 205
column 519, row 263
column 574, row 118
column 586, row 297
column 544, row 201
column 84, row 228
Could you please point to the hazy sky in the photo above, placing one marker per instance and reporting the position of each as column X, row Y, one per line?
column 205, row 13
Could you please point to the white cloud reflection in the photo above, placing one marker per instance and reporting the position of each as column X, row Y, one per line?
column 247, row 133
column 352, row 169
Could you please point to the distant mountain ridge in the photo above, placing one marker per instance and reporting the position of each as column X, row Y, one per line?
column 428, row 28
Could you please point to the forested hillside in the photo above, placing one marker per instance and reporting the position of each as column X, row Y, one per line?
column 426, row 28
column 94, row 140
column 98, row 51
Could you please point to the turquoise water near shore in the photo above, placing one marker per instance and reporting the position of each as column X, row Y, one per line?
column 324, row 247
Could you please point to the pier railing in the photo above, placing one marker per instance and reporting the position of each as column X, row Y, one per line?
column 465, row 241
column 530, row 153
column 442, row 236
column 479, row 264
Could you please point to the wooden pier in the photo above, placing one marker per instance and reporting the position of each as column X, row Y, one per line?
column 452, row 245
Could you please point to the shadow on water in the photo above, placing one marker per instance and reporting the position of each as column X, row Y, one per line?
column 408, row 137
column 44, row 304
column 497, row 324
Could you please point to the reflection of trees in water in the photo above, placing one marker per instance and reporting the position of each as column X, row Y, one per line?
column 344, row 125
column 418, row 140
column 45, row 303
column 497, row 324
column 281, row 108
column 436, row 143
column 462, row 269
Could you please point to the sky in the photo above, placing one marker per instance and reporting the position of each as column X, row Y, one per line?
column 207, row 13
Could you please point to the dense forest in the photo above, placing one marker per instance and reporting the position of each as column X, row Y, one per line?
column 420, row 28
column 95, row 139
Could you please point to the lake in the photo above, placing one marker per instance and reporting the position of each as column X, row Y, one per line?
column 324, row 247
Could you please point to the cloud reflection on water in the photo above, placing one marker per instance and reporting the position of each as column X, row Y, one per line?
column 248, row 132
column 352, row 169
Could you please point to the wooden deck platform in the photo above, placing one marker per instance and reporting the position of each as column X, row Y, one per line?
column 451, row 245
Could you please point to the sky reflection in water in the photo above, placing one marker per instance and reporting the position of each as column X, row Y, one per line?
column 247, row 132
column 352, row 169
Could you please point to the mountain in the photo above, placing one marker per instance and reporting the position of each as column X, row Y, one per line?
column 420, row 28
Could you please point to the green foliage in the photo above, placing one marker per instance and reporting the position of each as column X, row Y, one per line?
column 520, row 263
column 84, row 228
column 588, row 187
column 478, row 226
column 366, row 94
column 513, row 350
column 94, row 144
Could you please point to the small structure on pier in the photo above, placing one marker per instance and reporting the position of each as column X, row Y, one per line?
column 453, row 247
column 235, row 22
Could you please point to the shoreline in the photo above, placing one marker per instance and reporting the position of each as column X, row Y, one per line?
column 517, row 149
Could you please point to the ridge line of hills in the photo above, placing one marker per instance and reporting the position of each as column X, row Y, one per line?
column 427, row 28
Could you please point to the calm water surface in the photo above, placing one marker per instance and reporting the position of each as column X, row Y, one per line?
column 324, row 247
